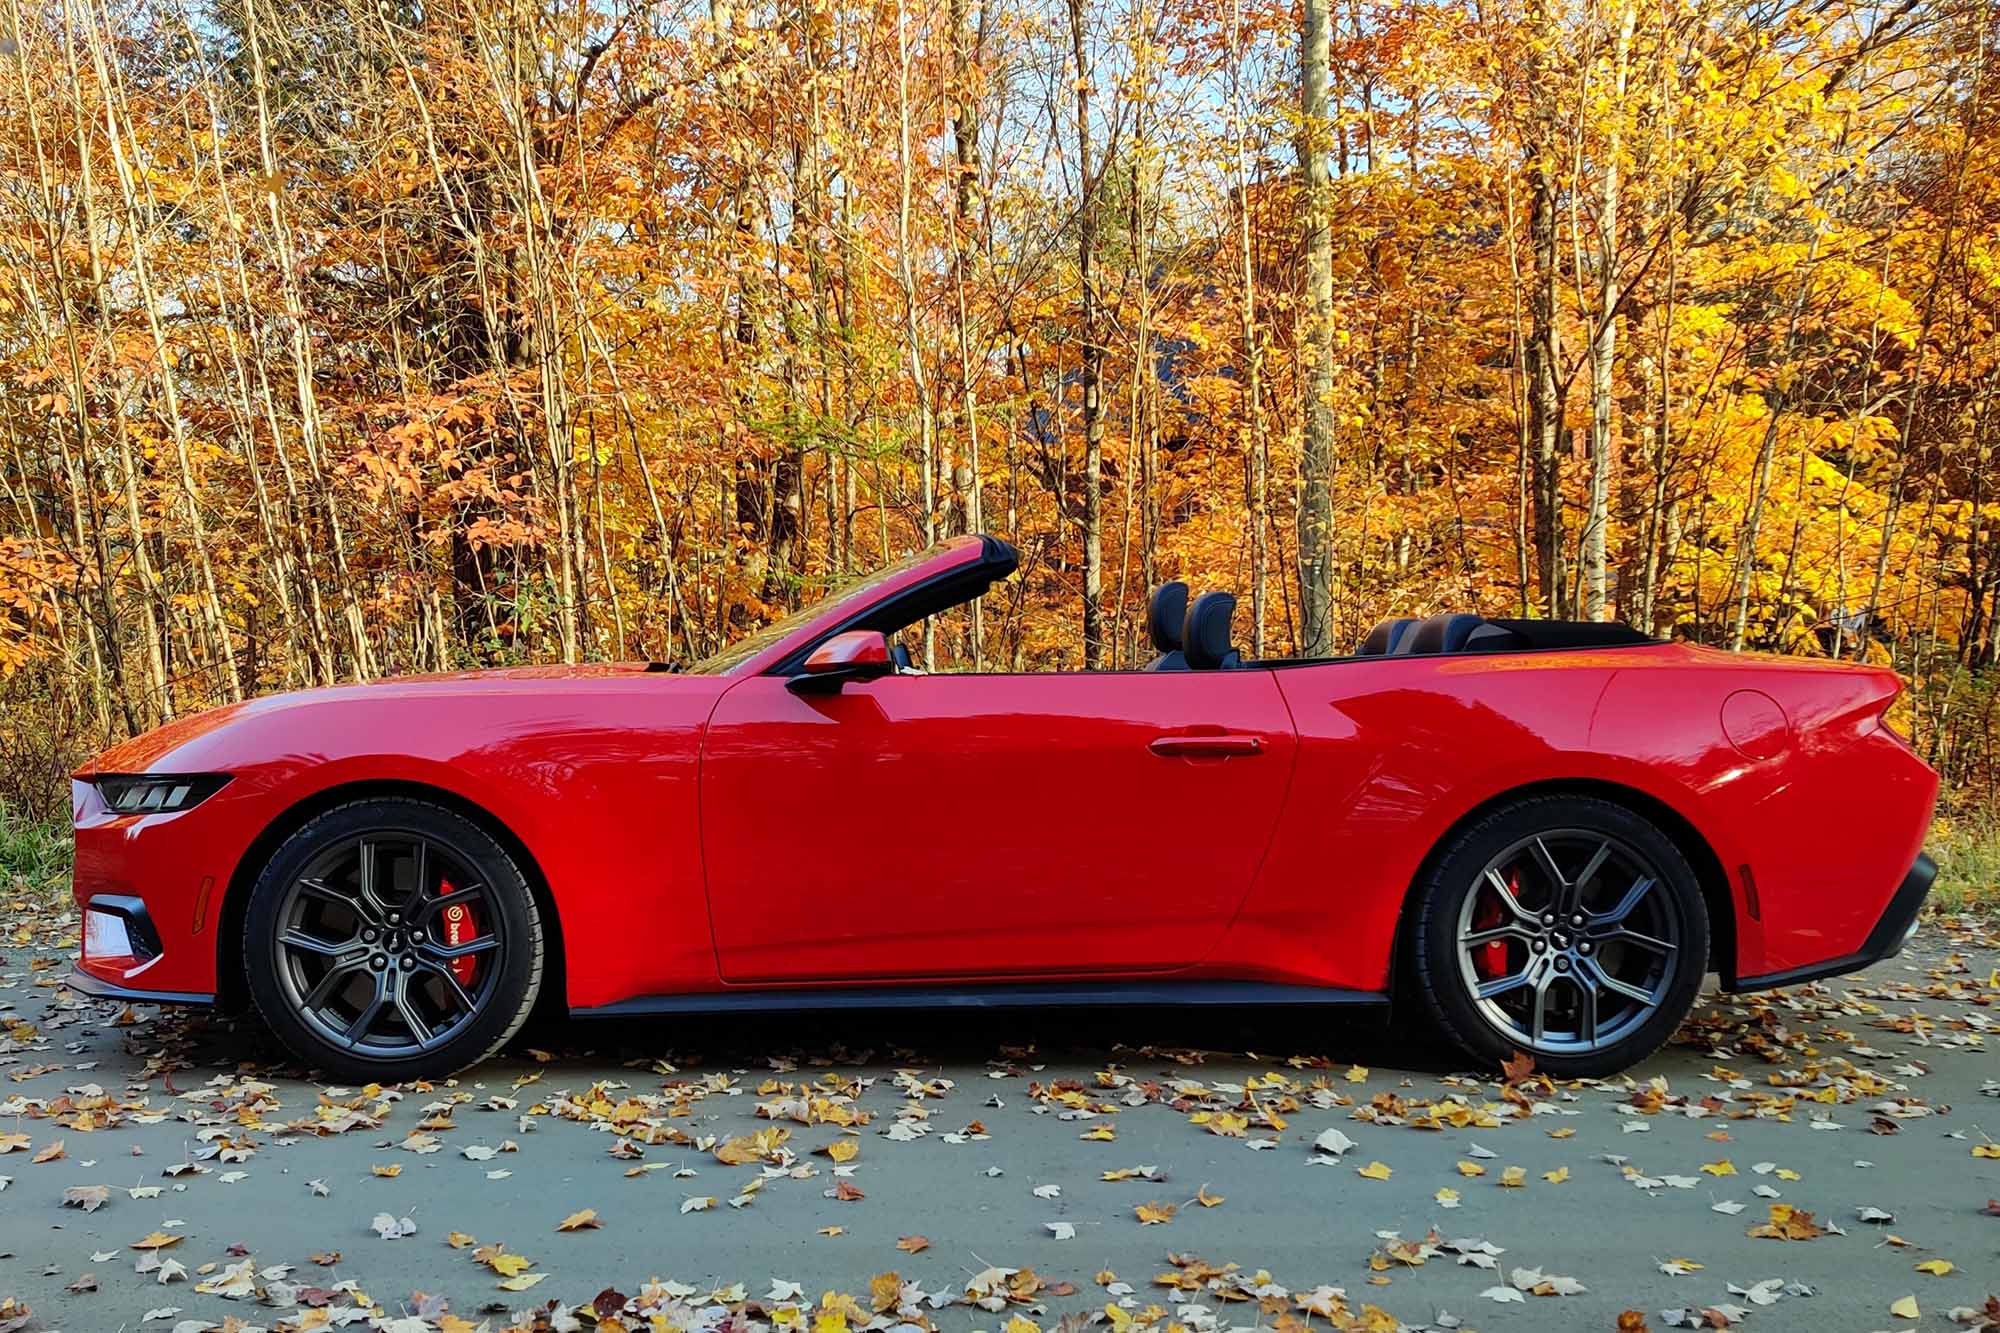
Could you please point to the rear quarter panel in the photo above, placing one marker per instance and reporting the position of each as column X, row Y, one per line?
column 1394, row 752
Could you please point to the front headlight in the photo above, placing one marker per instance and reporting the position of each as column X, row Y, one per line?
column 153, row 794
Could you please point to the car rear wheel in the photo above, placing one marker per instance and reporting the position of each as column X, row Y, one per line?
column 392, row 939
column 1566, row 927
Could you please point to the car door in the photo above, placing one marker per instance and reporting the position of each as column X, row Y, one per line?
column 987, row 825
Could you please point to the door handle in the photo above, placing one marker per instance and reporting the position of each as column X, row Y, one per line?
column 1206, row 747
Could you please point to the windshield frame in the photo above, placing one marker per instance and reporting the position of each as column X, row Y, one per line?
column 783, row 638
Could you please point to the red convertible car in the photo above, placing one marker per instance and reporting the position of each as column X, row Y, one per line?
column 1544, row 833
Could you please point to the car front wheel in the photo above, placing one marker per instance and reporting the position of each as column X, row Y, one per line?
column 1567, row 927
column 391, row 939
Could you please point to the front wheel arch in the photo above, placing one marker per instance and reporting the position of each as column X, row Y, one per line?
column 1714, row 880
column 231, row 992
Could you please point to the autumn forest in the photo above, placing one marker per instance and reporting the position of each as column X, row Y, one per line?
column 354, row 337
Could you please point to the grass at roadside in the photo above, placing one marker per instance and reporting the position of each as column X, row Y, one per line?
column 34, row 855
column 1967, row 848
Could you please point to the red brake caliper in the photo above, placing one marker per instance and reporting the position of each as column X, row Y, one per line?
column 460, row 925
column 1490, row 958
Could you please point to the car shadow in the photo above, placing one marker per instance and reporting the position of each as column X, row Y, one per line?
column 1127, row 1037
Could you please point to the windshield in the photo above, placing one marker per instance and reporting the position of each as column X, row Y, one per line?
column 856, row 589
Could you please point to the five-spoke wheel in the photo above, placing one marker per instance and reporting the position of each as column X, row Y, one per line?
column 1565, row 926
column 392, row 939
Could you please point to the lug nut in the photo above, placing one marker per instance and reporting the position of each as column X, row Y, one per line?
column 1537, row 946
column 1583, row 947
column 1576, row 920
column 1548, row 918
column 409, row 960
column 378, row 962
column 368, row 937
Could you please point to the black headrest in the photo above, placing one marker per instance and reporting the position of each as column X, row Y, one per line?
column 1166, row 615
column 1384, row 637
column 1205, row 636
column 1441, row 634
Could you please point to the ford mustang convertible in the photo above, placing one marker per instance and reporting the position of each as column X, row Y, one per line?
column 1542, row 833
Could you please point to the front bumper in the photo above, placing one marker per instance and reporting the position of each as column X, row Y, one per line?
column 97, row 988
column 121, row 945
column 1895, row 926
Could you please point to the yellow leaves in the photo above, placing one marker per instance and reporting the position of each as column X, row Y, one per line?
column 458, row 1240
column 841, row 1150
column 1104, row 1133
column 1446, row 1197
column 501, row 1262
column 1725, row 1167
column 913, row 1244
column 1987, row 1150
column 1905, row 1308
column 388, row 1171
column 762, row 1146
column 1228, row 1126
column 521, row 1282
column 1557, row 1176
column 885, row 1291
column 1207, row 1200
column 1469, row 1169
column 582, row 1220
column 1155, row 1213
column 1358, row 1074
column 1936, row 1267
column 53, row 1152
column 157, row 1240
column 1788, row 1223
column 1374, row 1171
column 14, row 1143
column 1513, row 1177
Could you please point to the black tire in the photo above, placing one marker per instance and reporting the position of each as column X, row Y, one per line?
column 1496, row 963
column 318, row 928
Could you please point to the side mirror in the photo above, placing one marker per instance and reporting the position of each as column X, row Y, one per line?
column 859, row 654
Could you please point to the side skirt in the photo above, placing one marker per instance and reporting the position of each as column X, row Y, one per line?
column 1024, row 995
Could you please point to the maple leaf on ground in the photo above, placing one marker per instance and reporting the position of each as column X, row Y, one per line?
column 1517, row 1067
column 1155, row 1213
column 90, row 1198
column 913, row 1244
column 582, row 1220
column 1632, row 1321
column 158, row 1240
column 1788, row 1223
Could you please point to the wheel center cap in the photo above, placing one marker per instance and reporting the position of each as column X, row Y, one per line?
column 1560, row 939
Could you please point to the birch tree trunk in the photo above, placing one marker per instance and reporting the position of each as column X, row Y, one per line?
column 1317, row 456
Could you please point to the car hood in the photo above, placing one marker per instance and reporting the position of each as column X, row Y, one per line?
column 154, row 748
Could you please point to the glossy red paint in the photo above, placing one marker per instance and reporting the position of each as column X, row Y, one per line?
column 1256, row 824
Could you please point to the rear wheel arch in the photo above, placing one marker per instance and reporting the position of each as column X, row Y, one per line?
column 236, row 901
column 1714, row 880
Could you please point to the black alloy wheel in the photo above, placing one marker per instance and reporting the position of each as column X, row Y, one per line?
column 1567, row 927
column 390, row 939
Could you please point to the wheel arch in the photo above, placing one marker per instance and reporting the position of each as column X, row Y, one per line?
column 1701, row 856
column 230, row 990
